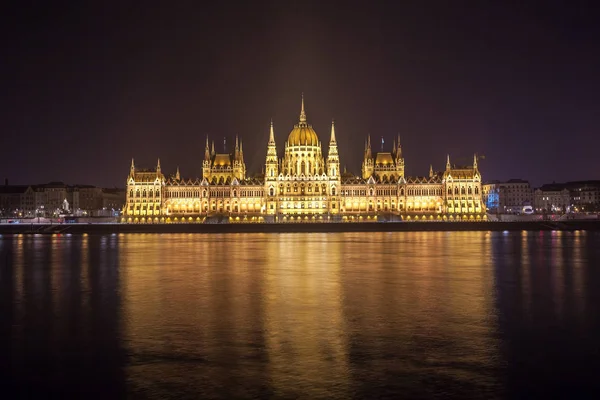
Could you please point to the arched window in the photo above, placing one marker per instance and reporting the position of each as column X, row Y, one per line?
column 402, row 192
column 476, row 189
column 234, row 193
column 371, row 192
column 131, row 193
column 456, row 190
column 303, row 168
column 333, row 191
column 470, row 190
column 157, row 193
column 144, row 193
column 271, row 191
column 462, row 190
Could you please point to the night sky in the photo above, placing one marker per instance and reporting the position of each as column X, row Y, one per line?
column 86, row 86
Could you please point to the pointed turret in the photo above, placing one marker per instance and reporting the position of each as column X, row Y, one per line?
column 430, row 171
column 332, row 140
column 448, row 163
column 212, row 152
column 272, row 166
column 394, row 147
column 271, row 134
column 158, row 166
column 399, row 149
column 302, row 113
column 132, row 169
column 177, row 176
column 236, row 150
column 367, row 164
column 475, row 161
column 207, row 151
column 333, row 160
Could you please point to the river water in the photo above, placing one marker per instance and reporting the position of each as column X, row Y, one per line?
column 333, row 315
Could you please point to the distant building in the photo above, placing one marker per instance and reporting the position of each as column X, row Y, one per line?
column 508, row 197
column 553, row 198
column 87, row 199
column 584, row 195
column 113, row 201
column 16, row 201
column 57, row 198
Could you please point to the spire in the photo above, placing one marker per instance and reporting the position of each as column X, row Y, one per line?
column 271, row 134
column 213, row 148
column 207, row 151
column 368, row 155
column 302, row 113
column 430, row 171
column 177, row 176
column 332, row 132
column 448, row 162
column 236, row 150
column 158, row 166
column 475, row 161
column 241, row 149
column 394, row 147
column 132, row 165
column 399, row 149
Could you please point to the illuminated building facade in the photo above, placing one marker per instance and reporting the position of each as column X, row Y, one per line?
column 304, row 185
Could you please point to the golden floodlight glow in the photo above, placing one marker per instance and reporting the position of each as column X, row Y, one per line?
column 302, row 185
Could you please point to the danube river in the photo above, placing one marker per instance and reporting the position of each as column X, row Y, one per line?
column 327, row 315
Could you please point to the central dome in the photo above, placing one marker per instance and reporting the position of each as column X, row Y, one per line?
column 303, row 134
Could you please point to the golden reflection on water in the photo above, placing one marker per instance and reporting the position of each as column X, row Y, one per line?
column 311, row 300
column 308, row 315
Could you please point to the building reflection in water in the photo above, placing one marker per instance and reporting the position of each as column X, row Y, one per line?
column 349, row 315
column 547, row 325
column 63, row 337
column 322, row 315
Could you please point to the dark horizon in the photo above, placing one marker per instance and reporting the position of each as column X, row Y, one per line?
column 88, row 87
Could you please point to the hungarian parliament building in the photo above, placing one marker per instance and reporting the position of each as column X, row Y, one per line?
column 302, row 186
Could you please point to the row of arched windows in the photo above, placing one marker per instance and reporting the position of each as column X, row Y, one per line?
column 144, row 193
column 468, row 190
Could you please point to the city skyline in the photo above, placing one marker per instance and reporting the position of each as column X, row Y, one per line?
column 90, row 88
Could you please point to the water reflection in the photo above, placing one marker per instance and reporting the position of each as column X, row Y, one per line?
column 470, row 314
column 62, row 340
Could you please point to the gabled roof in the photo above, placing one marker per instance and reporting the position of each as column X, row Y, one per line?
column 435, row 179
column 222, row 160
column 13, row 189
column 384, row 158
column 353, row 180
